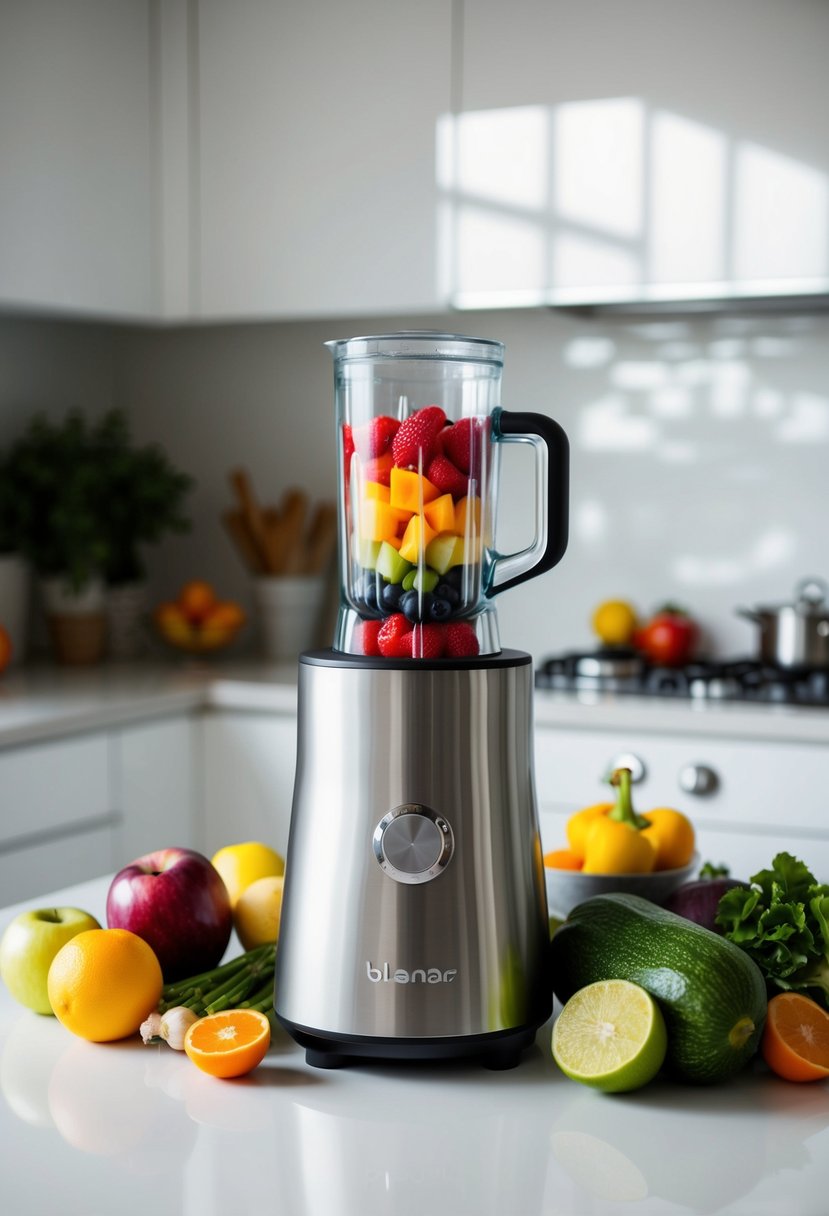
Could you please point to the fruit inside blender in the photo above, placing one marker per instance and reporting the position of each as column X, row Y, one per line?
column 417, row 513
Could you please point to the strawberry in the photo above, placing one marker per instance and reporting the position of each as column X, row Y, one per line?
column 376, row 438
column 462, row 444
column 427, row 641
column 365, row 637
column 416, row 437
column 379, row 469
column 394, row 639
column 448, row 479
column 348, row 444
column 460, row 640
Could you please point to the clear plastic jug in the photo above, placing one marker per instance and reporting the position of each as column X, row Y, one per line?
column 419, row 425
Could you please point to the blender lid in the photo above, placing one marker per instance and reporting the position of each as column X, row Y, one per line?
column 419, row 344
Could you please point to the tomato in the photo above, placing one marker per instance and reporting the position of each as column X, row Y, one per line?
column 668, row 638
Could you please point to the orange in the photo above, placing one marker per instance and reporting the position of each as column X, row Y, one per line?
column 103, row 984
column 195, row 599
column 224, row 614
column 5, row 649
column 672, row 834
column 795, row 1042
column 562, row 859
column 229, row 1044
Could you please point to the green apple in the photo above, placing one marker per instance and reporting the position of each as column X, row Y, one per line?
column 28, row 946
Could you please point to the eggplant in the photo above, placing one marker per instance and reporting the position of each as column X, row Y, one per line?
column 698, row 900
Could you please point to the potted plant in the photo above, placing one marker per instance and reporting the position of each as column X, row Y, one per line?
column 144, row 499
column 58, row 485
column 14, row 570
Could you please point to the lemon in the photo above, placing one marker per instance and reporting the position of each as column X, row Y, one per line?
column 258, row 912
column 241, row 864
column 615, row 622
column 610, row 1035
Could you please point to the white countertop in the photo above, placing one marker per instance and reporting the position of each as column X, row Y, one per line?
column 124, row 1128
column 48, row 703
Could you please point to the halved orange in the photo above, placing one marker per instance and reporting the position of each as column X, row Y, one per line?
column 229, row 1044
column 796, row 1038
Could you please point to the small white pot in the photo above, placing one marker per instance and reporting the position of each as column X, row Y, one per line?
column 14, row 602
column 61, row 599
column 289, row 610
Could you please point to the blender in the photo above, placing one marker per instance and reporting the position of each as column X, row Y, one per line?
column 414, row 918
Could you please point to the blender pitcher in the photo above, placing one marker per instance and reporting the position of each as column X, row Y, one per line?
column 419, row 426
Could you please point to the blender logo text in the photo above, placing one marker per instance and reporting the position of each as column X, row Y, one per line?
column 430, row 975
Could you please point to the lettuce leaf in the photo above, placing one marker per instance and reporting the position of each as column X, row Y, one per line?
column 782, row 923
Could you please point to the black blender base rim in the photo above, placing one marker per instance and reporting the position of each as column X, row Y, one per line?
column 340, row 658
column 497, row 1050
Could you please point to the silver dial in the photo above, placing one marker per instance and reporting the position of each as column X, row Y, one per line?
column 413, row 843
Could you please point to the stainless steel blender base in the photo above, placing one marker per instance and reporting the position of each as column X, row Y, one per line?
column 414, row 918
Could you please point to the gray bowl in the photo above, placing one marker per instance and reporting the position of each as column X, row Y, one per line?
column 567, row 888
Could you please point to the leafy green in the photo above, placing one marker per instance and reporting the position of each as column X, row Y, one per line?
column 782, row 923
column 709, row 870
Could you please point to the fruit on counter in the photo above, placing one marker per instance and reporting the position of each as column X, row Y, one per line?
column 614, row 622
column 244, row 982
column 242, row 864
column 5, row 649
column 698, row 900
column 782, row 924
column 229, row 1044
column 177, row 902
column 610, row 1035
column 712, row 996
column 795, row 1042
column 28, row 946
column 668, row 638
column 616, row 843
column 103, row 983
column 258, row 912
column 197, row 620
column 562, row 859
column 669, row 833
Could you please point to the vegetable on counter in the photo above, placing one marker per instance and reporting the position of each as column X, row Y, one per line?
column 711, row 994
column 698, row 900
column 669, row 637
column 614, row 622
column 612, row 838
column 245, row 982
column 782, row 923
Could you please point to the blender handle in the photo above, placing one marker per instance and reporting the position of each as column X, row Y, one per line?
column 552, row 496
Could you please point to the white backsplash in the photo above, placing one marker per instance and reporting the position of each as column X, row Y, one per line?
column 700, row 449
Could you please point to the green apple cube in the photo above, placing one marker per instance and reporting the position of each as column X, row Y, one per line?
column 408, row 581
column 391, row 565
column 445, row 551
column 365, row 552
column 425, row 580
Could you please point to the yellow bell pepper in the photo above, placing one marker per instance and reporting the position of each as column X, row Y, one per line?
column 672, row 835
column 579, row 825
column 616, row 842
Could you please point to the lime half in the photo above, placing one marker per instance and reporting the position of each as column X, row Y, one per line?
column 610, row 1035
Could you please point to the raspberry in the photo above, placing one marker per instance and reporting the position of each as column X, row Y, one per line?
column 394, row 639
column 462, row 444
column 416, row 437
column 448, row 479
column 460, row 640
column 376, row 438
column 365, row 637
column 427, row 641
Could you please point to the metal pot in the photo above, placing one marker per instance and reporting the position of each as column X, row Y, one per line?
column 795, row 635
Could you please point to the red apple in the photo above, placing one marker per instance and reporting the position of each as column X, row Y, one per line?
column 175, row 899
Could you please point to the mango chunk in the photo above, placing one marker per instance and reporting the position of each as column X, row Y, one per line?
column 440, row 514
column 379, row 520
column 417, row 536
column 373, row 489
column 467, row 515
column 409, row 491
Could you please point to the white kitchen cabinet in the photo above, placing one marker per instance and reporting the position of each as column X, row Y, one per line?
column 76, row 148
column 248, row 764
column 317, row 128
column 768, row 796
column 638, row 152
column 155, row 786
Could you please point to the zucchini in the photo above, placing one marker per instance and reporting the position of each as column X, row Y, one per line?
column 712, row 995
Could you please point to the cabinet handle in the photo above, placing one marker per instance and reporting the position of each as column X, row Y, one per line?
column 638, row 771
column 698, row 779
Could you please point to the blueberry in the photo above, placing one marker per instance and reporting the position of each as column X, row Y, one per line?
column 365, row 590
column 414, row 606
column 390, row 594
column 454, row 577
column 439, row 609
column 446, row 591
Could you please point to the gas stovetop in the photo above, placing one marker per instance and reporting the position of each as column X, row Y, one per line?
column 625, row 671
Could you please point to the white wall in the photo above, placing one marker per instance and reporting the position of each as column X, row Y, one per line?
column 700, row 449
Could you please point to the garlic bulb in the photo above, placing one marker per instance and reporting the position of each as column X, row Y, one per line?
column 171, row 1026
